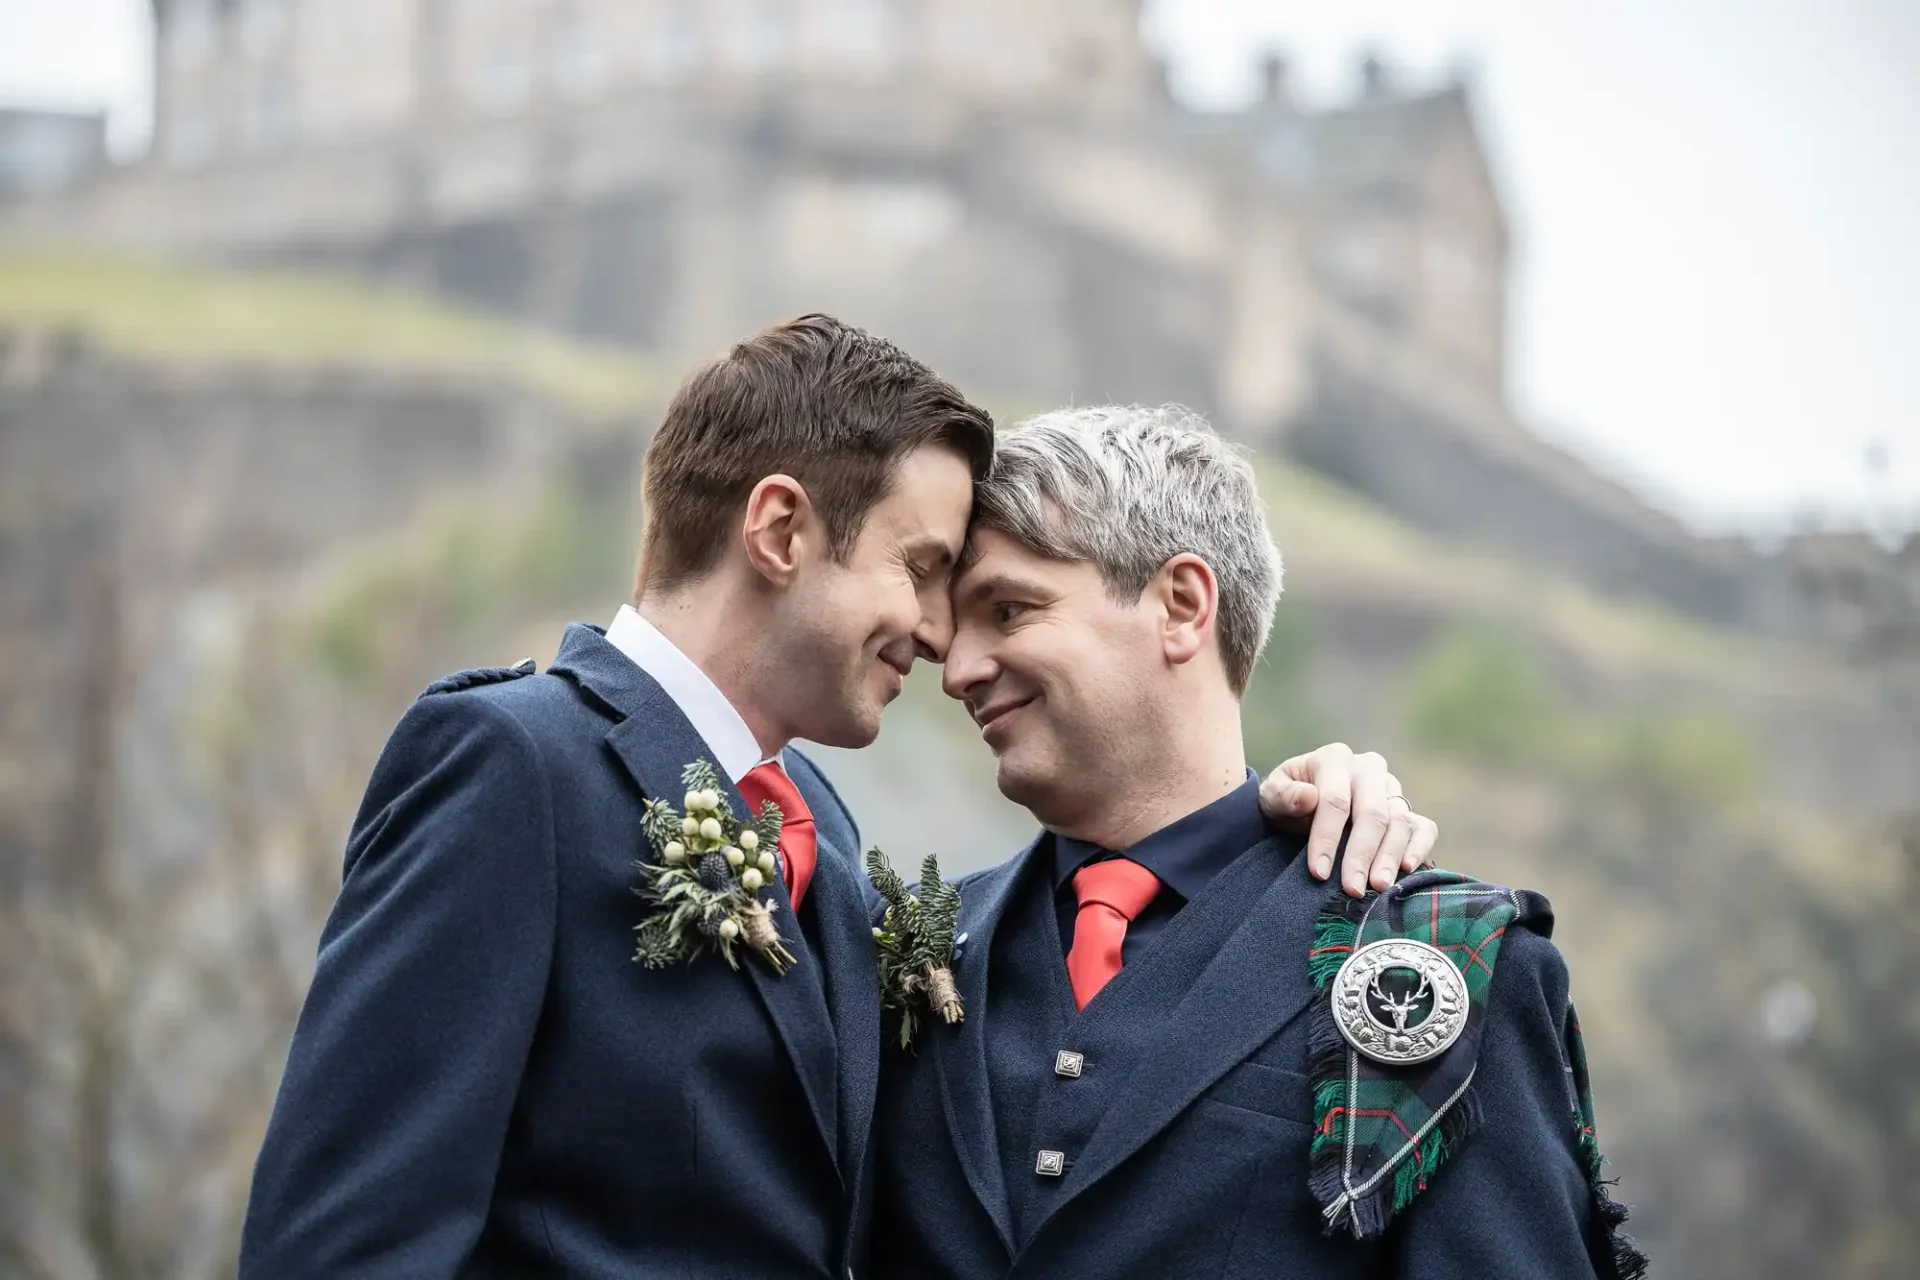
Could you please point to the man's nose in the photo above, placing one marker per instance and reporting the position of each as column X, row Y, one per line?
column 968, row 666
column 934, row 636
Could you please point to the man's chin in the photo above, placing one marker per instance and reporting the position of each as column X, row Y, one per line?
column 1025, row 786
column 853, row 729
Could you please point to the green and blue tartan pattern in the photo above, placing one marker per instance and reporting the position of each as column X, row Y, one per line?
column 1382, row 1133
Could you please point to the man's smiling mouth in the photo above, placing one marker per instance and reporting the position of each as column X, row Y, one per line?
column 994, row 714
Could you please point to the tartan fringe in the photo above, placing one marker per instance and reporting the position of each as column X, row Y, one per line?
column 1327, row 1069
column 1630, row 1262
column 1334, row 934
column 1413, row 1173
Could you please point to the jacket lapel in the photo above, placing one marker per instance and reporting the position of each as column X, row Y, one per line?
column 961, row 1059
column 654, row 742
column 1255, row 986
column 853, row 995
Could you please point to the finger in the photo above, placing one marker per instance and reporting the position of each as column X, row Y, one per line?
column 1372, row 819
column 1331, row 770
column 1393, row 849
column 1300, row 768
column 1420, row 847
column 1400, row 812
column 1284, row 801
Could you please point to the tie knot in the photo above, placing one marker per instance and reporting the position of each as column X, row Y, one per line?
column 1119, row 883
column 769, row 781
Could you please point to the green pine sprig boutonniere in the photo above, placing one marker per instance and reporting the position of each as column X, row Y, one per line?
column 916, row 942
column 704, row 884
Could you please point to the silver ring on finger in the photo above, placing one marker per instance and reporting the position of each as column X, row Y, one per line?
column 1402, row 799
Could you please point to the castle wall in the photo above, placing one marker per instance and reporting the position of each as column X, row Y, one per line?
column 1262, row 374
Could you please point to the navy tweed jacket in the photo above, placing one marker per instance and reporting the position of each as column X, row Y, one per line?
column 484, row 1083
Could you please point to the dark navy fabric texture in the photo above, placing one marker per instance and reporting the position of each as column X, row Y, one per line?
column 1029, row 1024
column 1185, row 1136
column 484, row 1083
column 1185, row 856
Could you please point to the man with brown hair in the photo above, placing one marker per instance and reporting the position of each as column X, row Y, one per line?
column 482, row 1081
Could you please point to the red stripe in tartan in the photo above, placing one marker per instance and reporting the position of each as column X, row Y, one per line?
column 1473, row 952
column 1326, row 1126
column 1317, row 951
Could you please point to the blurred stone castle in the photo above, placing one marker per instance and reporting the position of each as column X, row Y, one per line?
column 1006, row 188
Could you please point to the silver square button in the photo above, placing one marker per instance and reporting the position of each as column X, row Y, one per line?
column 1069, row 1064
column 1050, row 1164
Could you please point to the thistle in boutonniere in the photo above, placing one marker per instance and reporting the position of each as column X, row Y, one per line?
column 705, row 881
column 915, row 939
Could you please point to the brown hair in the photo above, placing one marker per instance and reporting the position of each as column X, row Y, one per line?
column 828, row 404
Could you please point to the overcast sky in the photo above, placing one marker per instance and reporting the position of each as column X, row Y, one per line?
column 1716, row 206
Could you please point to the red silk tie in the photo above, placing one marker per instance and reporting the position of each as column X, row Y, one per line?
column 1111, row 894
column 769, row 781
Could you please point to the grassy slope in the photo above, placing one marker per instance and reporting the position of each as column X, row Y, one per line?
column 1339, row 545
column 142, row 308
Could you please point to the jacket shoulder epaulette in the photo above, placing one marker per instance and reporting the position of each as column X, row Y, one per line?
column 478, row 676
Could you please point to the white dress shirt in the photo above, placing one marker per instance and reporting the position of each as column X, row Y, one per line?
column 714, row 718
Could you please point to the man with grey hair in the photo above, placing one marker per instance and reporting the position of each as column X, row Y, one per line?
column 1160, row 1073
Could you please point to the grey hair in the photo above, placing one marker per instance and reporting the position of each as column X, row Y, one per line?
column 1129, row 488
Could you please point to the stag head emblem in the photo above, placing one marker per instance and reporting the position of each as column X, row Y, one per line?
column 1399, row 1008
column 1374, row 1019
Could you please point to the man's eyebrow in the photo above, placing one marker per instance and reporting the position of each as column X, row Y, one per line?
column 930, row 545
column 997, row 582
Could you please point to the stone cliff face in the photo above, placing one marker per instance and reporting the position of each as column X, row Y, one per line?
column 130, row 487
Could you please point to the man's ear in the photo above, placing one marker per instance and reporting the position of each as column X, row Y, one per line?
column 777, row 528
column 1189, row 594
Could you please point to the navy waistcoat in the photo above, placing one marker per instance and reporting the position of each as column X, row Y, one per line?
column 1035, row 1020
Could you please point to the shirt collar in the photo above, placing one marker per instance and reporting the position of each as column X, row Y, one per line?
column 707, row 709
column 1185, row 854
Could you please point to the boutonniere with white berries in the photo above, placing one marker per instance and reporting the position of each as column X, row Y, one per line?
column 916, row 944
column 705, row 881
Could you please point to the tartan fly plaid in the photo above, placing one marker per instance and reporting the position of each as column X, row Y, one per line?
column 1382, row 1132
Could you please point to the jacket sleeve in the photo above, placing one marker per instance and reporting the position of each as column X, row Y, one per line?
column 380, row 1156
column 1513, row 1203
